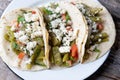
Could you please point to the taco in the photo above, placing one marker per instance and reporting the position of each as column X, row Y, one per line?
column 67, row 31
column 24, row 40
column 101, row 29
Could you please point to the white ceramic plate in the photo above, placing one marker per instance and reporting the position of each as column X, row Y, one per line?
column 78, row 72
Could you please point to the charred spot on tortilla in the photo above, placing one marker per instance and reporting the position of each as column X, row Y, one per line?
column 8, row 49
column 82, row 42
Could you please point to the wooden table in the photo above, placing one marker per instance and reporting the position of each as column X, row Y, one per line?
column 110, row 70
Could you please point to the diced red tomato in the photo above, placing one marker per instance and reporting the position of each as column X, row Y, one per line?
column 21, row 55
column 18, row 42
column 74, row 51
column 63, row 17
column 17, row 30
column 68, row 28
column 100, row 27
column 33, row 12
column 73, row 3
column 15, row 22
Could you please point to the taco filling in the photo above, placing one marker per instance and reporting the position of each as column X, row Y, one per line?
column 96, row 34
column 26, row 38
column 64, row 50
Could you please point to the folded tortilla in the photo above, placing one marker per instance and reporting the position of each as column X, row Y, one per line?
column 7, row 54
column 80, row 29
column 109, row 28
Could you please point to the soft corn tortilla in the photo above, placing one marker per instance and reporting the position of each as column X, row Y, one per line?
column 109, row 28
column 6, row 53
column 79, row 26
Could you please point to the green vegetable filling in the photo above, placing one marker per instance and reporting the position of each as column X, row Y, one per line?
column 21, row 19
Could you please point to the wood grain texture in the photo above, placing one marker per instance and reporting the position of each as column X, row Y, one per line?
column 113, row 6
column 110, row 70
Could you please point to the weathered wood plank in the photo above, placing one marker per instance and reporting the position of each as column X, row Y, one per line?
column 113, row 6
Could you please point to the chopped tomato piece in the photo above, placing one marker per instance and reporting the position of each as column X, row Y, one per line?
column 100, row 27
column 63, row 17
column 73, row 3
column 68, row 28
column 15, row 23
column 17, row 30
column 21, row 55
column 33, row 12
column 18, row 42
column 74, row 51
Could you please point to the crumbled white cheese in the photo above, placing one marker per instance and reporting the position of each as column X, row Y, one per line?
column 30, row 46
column 28, row 25
column 62, row 25
column 63, row 11
column 58, row 33
column 64, row 49
column 52, row 16
column 28, row 29
column 30, row 17
column 23, row 39
column 92, row 36
column 39, row 28
column 31, row 52
column 64, row 20
column 81, row 7
column 94, row 25
column 13, row 28
column 89, row 20
column 20, row 24
column 100, row 35
column 51, row 9
column 24, row 49
column 35, row 24
column 69, row 36
column 34, row 17
column 19, row 34
column 28, row 61
column 36, row 34
column 93, row 47
column 94, row 30
column 57, row 10
column 99, row 40
column 66, row 41
column 55, row 23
